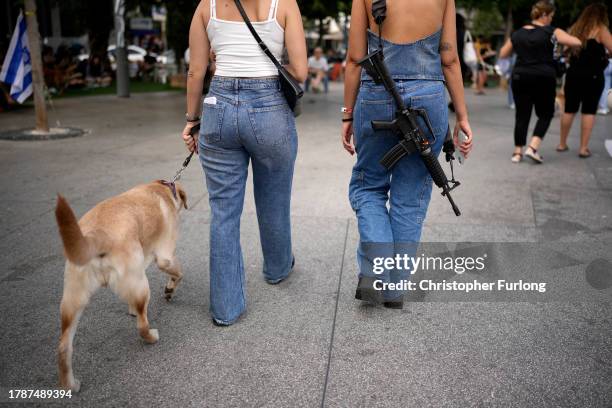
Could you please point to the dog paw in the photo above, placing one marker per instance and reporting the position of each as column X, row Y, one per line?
column 168, row 293
column 153, row 336
column 75, row 386
column 132, row 311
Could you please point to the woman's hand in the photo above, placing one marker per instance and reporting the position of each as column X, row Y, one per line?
column 190, row 141
column 347, row 137
column 466, row 147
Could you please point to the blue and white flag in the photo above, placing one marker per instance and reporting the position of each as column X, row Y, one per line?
column 17, row 67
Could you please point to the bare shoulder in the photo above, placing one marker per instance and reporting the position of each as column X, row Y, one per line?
column 203, row 11
column 287, row 9
column 603, row 33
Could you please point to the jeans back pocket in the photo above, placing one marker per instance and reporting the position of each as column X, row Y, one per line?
column 437, row 112
column 271, row 124
column 372, row 109
column 212, row 120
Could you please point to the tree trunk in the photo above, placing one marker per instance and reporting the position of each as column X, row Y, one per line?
column 123, row 76
column 38, row 79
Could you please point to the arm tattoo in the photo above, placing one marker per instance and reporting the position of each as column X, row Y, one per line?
column 190, row 73
column 446, row 46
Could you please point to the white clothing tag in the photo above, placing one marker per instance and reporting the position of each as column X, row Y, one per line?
column 210, row 100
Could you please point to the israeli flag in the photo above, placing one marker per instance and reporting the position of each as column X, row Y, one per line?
column 17, row 67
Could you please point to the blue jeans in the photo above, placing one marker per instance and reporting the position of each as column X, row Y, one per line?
column 603, row 100
column 391, row 205
column 246, row 120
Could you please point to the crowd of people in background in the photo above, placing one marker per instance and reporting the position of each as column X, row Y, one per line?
column 547, row 69
column 72, row 67
column 64, row 69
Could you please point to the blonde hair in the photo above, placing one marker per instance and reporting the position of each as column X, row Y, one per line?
column 594, row 16
column 542, row 8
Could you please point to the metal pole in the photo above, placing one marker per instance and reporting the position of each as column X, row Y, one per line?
column 38, row 80
column 123, row 77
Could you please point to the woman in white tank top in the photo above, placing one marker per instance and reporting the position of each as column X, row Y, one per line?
column 245, row 118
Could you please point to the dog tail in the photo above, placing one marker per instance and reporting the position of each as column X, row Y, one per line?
column 78, row 248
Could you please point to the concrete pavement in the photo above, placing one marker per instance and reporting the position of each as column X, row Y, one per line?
column 306, row 342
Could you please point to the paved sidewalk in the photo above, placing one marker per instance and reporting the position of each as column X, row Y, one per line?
column 305, row 342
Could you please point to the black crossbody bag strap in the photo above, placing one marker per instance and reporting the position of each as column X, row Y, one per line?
column 260, row 42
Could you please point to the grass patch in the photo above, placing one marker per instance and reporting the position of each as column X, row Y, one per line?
column 135, row 87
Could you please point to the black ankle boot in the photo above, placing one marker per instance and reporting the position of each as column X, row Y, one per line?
column 366, row 292
column 395, row 304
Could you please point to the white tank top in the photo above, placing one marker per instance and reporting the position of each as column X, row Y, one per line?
column 237, row 52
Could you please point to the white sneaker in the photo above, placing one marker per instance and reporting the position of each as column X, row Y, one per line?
column 534, row 155
column 602, row 111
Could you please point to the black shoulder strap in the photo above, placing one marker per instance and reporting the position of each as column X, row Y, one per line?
column 260, row 42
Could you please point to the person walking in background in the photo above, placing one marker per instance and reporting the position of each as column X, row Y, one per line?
column 318, row 69
column 245, row 118
column 420, row 73
column 485, row 55
column 534, row 77
column 604, row 109
column 505, row 67
column 461, row 33
column 470, row 58
column 460, row 23
column 584, row 82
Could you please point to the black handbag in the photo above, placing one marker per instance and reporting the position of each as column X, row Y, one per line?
column 289, row 85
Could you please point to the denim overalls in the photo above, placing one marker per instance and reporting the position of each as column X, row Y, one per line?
column 246, row 120
column 391, row 205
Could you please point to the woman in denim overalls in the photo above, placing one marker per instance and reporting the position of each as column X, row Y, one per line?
column 245, row 118
column 420, row 49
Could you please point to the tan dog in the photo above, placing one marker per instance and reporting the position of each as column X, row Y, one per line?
column 111, row 246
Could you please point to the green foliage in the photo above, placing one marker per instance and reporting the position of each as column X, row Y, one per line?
column 135, row 87
column 319, row 9
column 180, row 13
column 487, row 21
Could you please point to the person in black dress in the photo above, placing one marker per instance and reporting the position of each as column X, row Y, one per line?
column 585, row 77
column 534, row 77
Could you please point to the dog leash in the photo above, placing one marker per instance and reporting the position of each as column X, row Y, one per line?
column 178, row 174
column 172, row 184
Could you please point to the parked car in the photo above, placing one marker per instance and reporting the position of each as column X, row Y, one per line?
column 135, row 54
